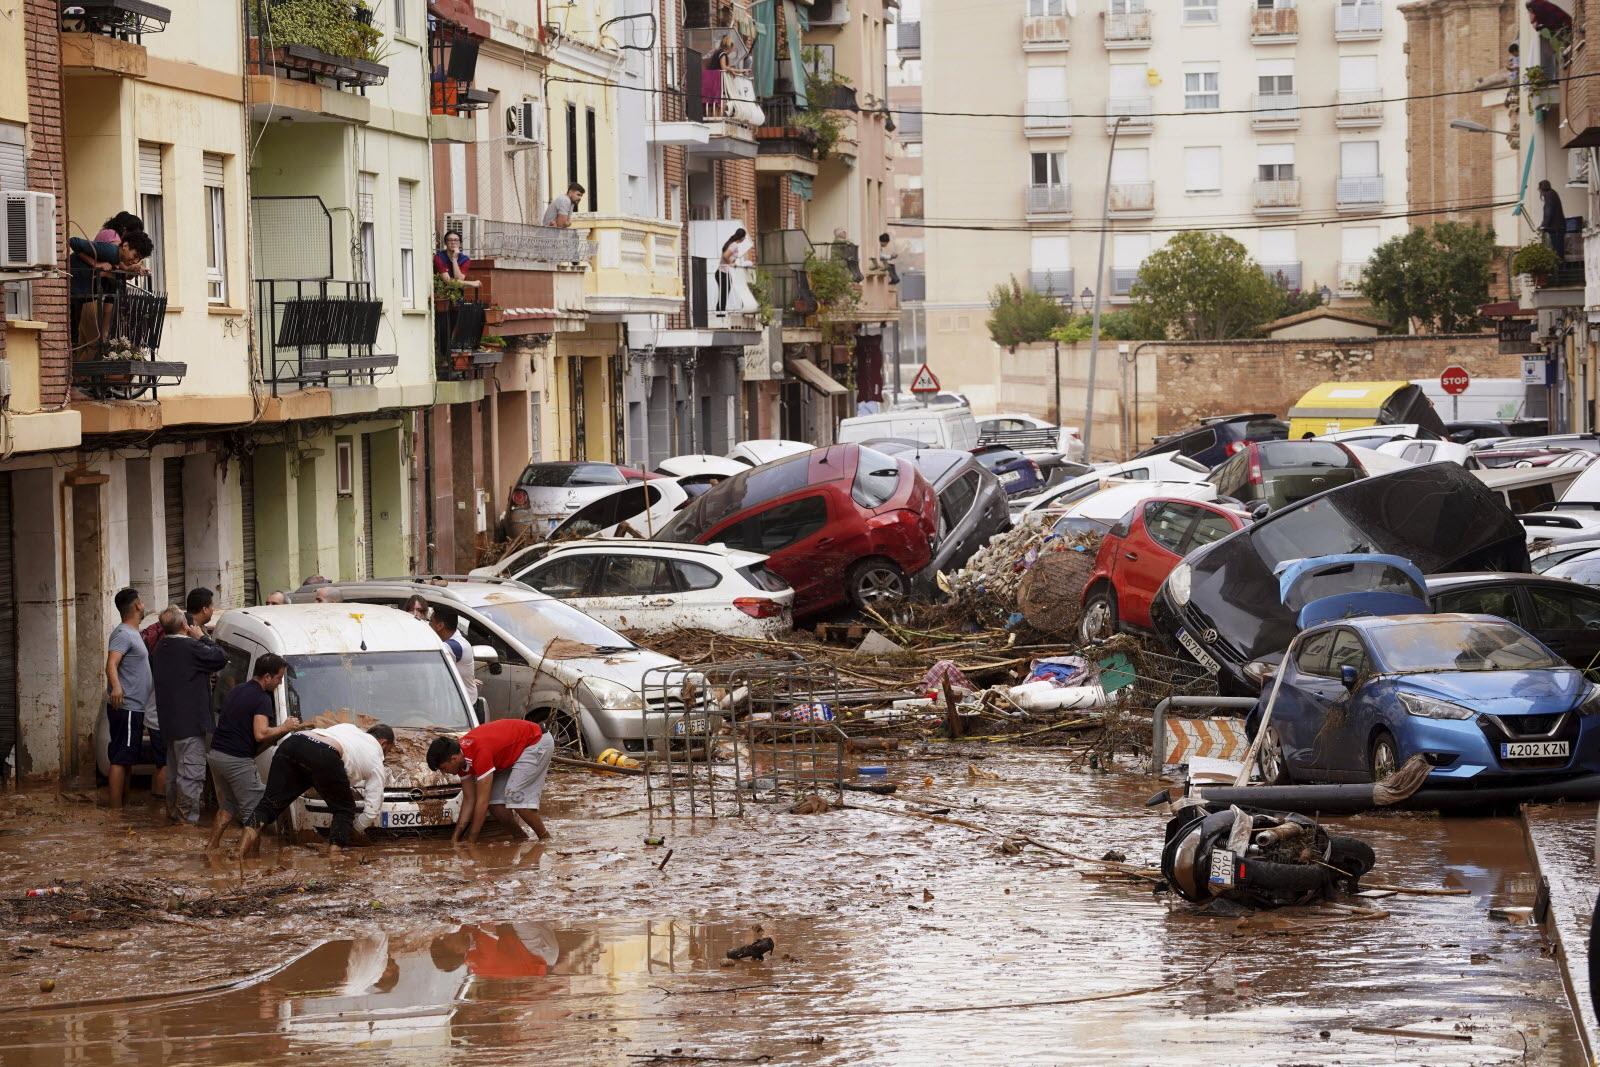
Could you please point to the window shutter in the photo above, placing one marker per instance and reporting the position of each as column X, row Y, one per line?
column 150, row 169
column 212, row 170
column 13, row 158
column 364, row 198
column 1273, row 154
column 407, row 189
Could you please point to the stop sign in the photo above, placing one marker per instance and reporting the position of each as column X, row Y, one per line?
column 1454, row 380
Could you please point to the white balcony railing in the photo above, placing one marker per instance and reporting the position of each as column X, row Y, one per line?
column 1275, row 110
column 1136, row 109
column 1359, row 107
column 1354, row 22
column 1051, row 282
column 1284, row 275
column 1046, row 33
column 1350, row 277
column 1122, row 279
column 1132, row 198
column 1277, row 196
column 1130, row 29
column 1047, row 117
column 1048, row 199
column 1362, row 191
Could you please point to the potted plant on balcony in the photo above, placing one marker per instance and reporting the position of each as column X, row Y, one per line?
column 836, row 293
column 1536, row 259
column 447, row 292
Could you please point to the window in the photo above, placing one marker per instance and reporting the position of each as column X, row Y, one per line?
column 563, row 578
column 216, row 231
column 1358, row 72
column 1052, row 254
column 877, row 477
column 1277, row 246
column 1275, row 77
column 1356, row 243
column 1130, row 165
column 1129, row 80
column 152, row 211
column 1313, row 655
column 693, row 576
column 1126, row 7
column 344, row 467
column 1499, row 601
column 1202, row 170
column 784, row 525
column 1347, row 652
column 1559, row 609
column 1047, row 84
column 1200, row 88
column 572, row 146
column 1275, row 162
column 366, row 219
column 408, row 250
column 1128, row 251
column 1167, row 523
column 1048, row 167
column 1211, row 527
column 1199, row 12
column 636, row 576
column 1358, row 159
column 14, row 176
column 592, row 194
column 1232, row 475
column 1037, row 8
column 399, row 17
column 235, row 672
column 957, row 499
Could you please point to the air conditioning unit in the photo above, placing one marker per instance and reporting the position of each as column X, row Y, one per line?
column 525, row 123
column 829, row 13
column 471, row 230
column 27, row 231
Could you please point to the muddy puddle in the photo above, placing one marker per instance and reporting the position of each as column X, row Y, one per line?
column 898, row 940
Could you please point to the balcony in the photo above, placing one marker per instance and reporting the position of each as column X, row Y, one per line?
column 458, row 341
column 1056, row 283
column 1350, row 278
column 908, row 39
column 1283, row 275
column 1128, row 30
column 634, row 269
column 453, row 66
column 524, row 293
column 1357, row 22
column 116, row 337
column 293, row 79
column 783, row 143
column 107, row 36
column 908, row 125
column 911, row 203
column 782, row 255
column 1135, row 109
column 318, row 332
column 1047, row 201
column 1046, row 33
column 543, row 246
column 1277, row 197
column 1275, row 111
column 1275, row 25
column 1122, row 279
column 1362, row 193
column 1132, row 200
column 730, row 114
column 1359, row 107
column 1047, row 118
column 737, row 320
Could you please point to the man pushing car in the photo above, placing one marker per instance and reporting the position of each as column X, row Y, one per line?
column 502, row 766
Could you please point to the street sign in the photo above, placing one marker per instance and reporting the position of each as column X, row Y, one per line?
column 1454, row 380
column 924, row 382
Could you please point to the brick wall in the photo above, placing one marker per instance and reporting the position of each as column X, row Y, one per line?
column 47, row 174
column 736, row 180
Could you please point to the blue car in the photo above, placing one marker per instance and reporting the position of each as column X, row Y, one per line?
column 1481, row 698
column 1017, row 473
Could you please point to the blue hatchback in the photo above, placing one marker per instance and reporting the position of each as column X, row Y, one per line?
column 1480, row 698
column 1017, row 473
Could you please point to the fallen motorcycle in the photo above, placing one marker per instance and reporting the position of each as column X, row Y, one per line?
column 1258, row 858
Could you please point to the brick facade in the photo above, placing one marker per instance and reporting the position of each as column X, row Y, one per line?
column 47, row 174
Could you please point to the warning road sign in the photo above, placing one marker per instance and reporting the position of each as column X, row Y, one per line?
column 924, row 382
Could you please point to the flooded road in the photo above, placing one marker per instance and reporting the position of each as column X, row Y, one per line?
column 898, row 940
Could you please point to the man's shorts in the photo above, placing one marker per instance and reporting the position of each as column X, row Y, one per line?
column 158, row 749
column 523, row 785
column 127, row 737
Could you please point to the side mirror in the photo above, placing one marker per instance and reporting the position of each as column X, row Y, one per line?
column 1259, row 509
column 480, row 707
column 1349, row 676
column 485, row 654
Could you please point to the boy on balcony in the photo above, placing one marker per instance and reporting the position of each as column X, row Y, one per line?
column 562, row 208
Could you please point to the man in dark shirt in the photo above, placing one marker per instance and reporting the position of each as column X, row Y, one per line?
column 244, row 725
column 1553, row 220
column 182, row 666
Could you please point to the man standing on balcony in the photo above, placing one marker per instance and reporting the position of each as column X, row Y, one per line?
column 559, row 213
column 1553, row 224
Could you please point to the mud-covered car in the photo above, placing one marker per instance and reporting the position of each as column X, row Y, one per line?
column 1221, row 605
column 349, row 661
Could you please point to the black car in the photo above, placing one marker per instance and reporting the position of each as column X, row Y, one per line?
column 1269, row 475
column 1564, row 614
column 1463, row 433
column 1222, row 606
column 1214, row 440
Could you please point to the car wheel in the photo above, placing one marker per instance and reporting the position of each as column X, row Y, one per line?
column 1099, row 620
column 1384, row 757
column 565, row 729
column 873, row 581
column 1270, row 762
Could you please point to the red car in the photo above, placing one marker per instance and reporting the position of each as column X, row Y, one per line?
column 843, row 524
column 1139, row 553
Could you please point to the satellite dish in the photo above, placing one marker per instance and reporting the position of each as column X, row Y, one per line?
column 1072, row 9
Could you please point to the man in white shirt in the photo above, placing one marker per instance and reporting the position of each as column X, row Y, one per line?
column 446, row 623
column 335, row 761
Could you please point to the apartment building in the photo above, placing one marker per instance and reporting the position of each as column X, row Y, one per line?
column 1265, row 120
column 907, row 196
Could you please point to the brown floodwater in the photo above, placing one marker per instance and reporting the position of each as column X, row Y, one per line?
column 897, row 941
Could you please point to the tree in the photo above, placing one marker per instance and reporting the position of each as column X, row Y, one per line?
column 1204, row 287
column 1431, row 279
column 1020, row 316
column 1124, row 324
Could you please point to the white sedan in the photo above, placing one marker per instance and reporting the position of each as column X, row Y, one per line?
column 766, row 450
column 636, row 510
column 657, row 586
column 1048, row 505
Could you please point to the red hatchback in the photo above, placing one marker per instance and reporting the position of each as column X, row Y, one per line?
column 1139, row 553
column 843, row 524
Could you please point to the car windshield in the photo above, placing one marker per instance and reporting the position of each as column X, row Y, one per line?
column 399, row 688
column 1304, row 454
column 1285, row 489
column 744, row 490
column 536, row 623
column 1441, row 644
column 560, row 475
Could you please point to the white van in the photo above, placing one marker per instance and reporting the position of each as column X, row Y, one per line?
column 939, row 427
column 363, row 659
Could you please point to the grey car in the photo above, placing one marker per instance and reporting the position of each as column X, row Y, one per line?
column 972, row 505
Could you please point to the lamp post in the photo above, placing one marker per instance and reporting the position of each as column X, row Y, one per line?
column 1099, row 273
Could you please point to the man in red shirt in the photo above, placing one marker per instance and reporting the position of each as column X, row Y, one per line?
column 502, row 765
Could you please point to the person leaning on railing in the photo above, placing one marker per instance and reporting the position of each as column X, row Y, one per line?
column 452, row 262
column 100, row 269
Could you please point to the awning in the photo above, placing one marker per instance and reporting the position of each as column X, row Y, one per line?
column 815, row 377
column 765, row 58
column 797, row 22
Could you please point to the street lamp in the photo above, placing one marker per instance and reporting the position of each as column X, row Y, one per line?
column 1477, row 127
column 1100, row 276
column 1086, row 298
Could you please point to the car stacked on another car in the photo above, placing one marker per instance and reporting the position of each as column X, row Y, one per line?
column 1164, row 467
column 1266, row 476
column 545, row 494
column 972, row 506
column 1018, row 474
column 1215, row 439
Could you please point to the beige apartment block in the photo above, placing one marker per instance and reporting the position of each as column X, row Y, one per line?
column 1273, row 121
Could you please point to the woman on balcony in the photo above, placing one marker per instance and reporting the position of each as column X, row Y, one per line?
column 451, row 261
column 733, row 286
column 718, row 64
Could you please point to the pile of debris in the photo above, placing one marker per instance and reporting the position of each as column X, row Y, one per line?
column 1025, row 574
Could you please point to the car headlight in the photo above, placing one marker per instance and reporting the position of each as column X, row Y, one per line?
column 1590, row 704
column 1261, row 671
column 1430, row 708
column 614, row 696
column 1178, row 584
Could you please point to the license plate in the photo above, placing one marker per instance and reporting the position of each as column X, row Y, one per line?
column 1010, row 476
column 696, row 724
column 1199, row 653
column 1221, row 867
column 1534, row 750
column 395, row 819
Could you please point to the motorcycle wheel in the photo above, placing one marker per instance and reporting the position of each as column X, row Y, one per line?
column 1351, row 855
column 1292, row 879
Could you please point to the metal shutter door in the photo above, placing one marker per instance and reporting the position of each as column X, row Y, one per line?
column 247, row 519
column 150, row 168
column 172, row 498
column 8, row 632
column 366, row 503
column 212, row 169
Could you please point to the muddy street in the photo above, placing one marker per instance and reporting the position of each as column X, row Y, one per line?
column 897, row 939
